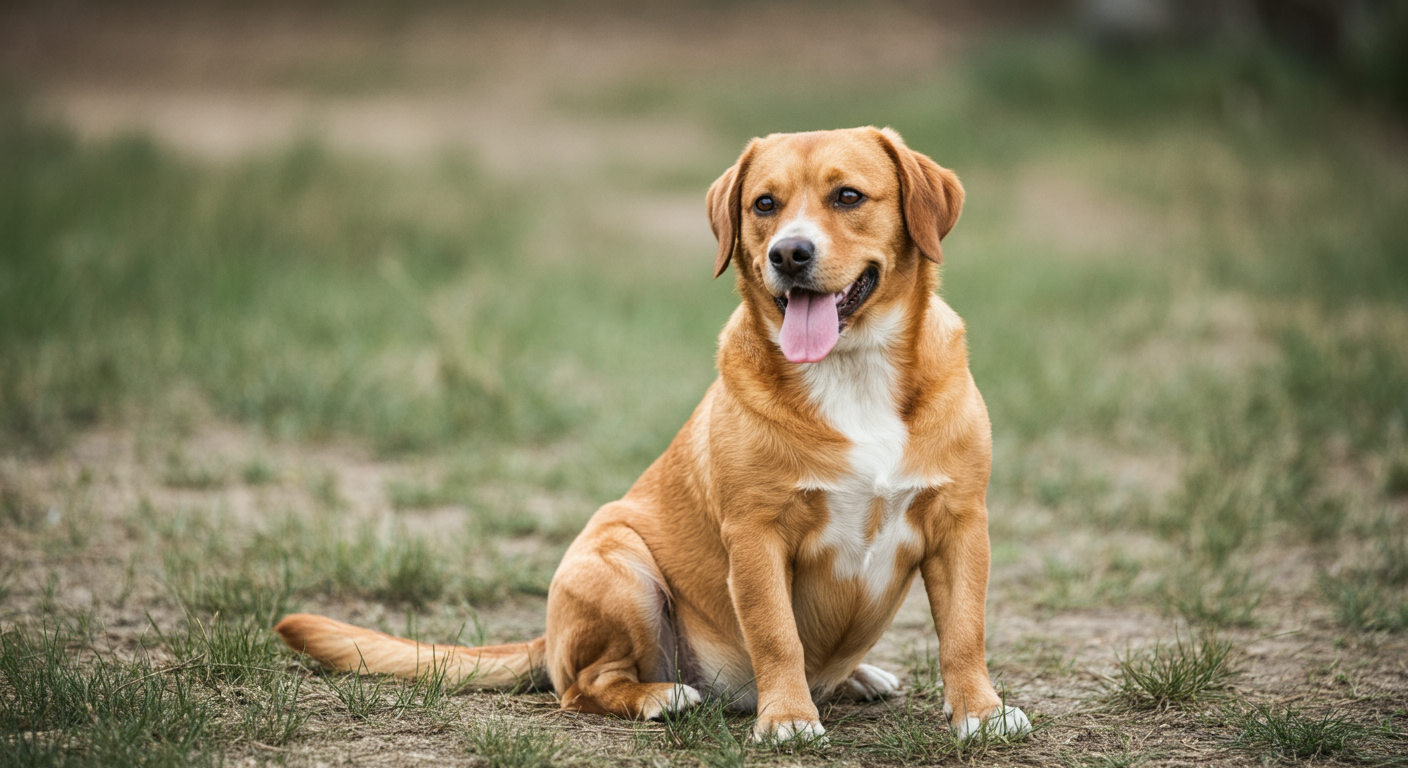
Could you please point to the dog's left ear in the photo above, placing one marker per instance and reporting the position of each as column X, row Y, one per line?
column 725, row 204
column 931, row 196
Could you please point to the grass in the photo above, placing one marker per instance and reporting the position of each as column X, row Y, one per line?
column 1125, row 758
column 221, row 650
column 1293, row 734
column 503, row 744
column 223, row 567
column 1289, row 733
column 1373, row 595
column 915, row 731
column 922, row 671
column 258, row 472
column 1180, row 675
column 277, row 715
column 915, row 734
column 104, row 712
column 362, row 695
column 1221, row 598
column 1188, row 325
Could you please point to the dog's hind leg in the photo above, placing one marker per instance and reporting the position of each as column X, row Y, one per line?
column 611, row 645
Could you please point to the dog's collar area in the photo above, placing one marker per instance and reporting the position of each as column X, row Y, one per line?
column 848, row 300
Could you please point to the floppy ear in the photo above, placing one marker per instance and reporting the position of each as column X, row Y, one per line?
column 725, row 204
column 930, row 195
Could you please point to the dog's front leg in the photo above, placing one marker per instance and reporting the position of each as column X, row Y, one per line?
column 760, row 585
column 956, row 579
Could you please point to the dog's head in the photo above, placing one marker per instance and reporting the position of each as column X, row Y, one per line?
column 827, row 228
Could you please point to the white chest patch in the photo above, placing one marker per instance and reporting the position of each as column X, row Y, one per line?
column 854, row 391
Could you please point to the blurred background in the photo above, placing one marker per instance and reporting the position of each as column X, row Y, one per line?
column 443, row 268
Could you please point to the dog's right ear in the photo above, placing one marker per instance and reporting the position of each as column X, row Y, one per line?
column 725, row 204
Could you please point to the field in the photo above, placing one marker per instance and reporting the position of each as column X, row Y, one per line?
column 364, row 314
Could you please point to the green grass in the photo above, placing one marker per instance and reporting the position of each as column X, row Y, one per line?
column 1178, row 675
column 63, row 702
column 1372, row 594
column 276, row 714
column 226, row 650
column 504, row 744
column 923, row 678
column 172, row 275
column 362, row 695
column 101, row 712
column 1215, row 598
column 215, row 564
column 914, row 731
column 1125, row 758
column 915, row 734
column 258, row 472
column 1295, row 734
column 707, row 728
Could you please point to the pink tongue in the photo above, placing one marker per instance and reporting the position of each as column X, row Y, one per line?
column 809, row 326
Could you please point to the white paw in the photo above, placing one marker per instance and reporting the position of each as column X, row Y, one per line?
column 869, row 682
column 1005, row 721
column 679, row 697
column 800, row 732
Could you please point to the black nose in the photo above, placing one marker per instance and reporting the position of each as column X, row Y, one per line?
column 792, row 255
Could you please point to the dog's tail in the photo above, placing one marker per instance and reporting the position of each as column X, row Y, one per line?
column 354, row 649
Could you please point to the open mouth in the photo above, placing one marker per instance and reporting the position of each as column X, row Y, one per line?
column 812, row 322
column 848, row 300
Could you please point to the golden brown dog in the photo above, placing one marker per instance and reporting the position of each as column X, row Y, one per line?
column 843, row 449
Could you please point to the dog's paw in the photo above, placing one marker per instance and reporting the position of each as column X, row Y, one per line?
column 868, row 682
column 674, row 699
column 1004, row 721
column 805, row 733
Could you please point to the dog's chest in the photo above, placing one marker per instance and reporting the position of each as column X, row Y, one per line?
column 866, row 525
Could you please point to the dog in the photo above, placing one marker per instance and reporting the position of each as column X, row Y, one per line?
column 843, row 450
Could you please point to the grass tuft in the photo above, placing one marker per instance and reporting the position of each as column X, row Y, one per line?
column 1222, row 598
column 504, row 744
column 706, row 726
column 1290, row 733
column 925, row 679
column 1361, row 603
column 363, row 695
column 258, row 597
column 258, row 472
column 1396, row 478
column 1126, row 758
column 185, row 474
column 915, row 731
column 1175, row 676
column 912, row 733
column 1373, row 595
column 428, row 693
column 95, row 710
column 219, row 650
column 274, row 714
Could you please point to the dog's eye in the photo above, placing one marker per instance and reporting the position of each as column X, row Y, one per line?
column 764, row 204
column 848, row 196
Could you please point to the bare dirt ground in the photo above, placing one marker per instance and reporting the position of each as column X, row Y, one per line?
column 223, row 83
